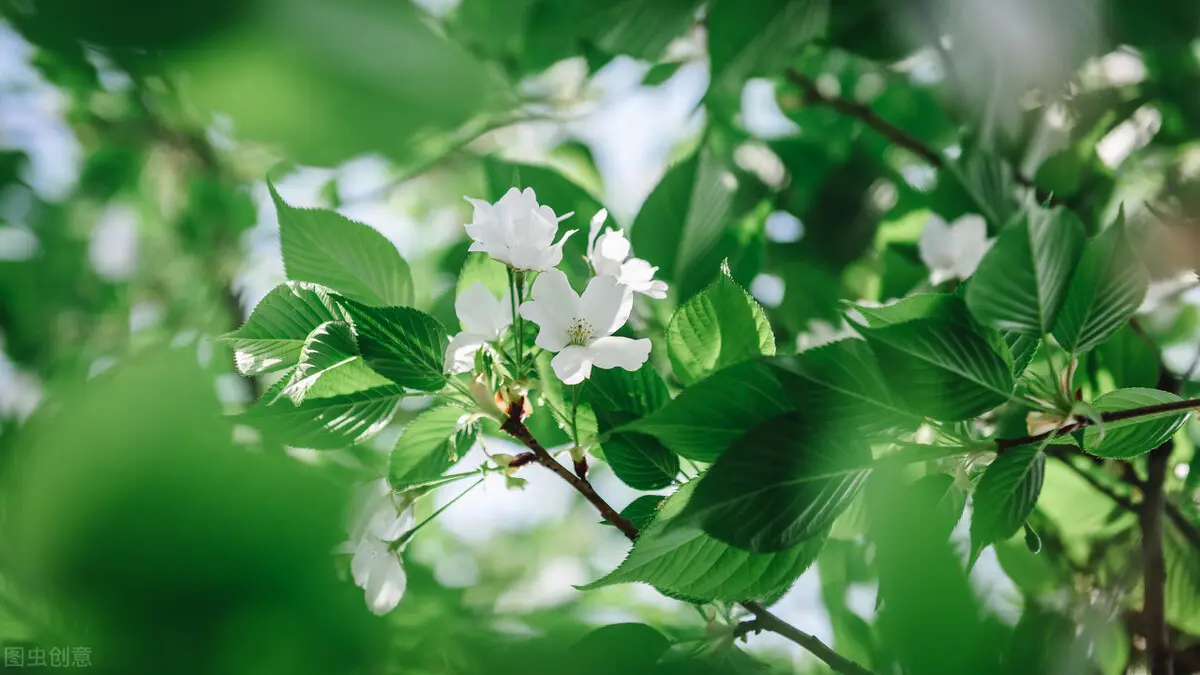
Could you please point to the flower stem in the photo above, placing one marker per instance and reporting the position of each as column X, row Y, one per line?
column 412, row 532
column 514, row 296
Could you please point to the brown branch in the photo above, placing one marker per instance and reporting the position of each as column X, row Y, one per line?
column 764, row 619
column 895, row 135
column 1003, row 444
column 1158, row 650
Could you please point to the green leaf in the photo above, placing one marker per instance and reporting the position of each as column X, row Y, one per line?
column 619, row 647
column 1108, row 286
column 681, row 222
column 273, row 336
column 353, row 259
column 618, row 397
column 480, row 268
column 326, row 423
column 641, row 28
column 784, row 482
column 404, row 345
column 684, row 561
column 941, row 501
column 945, row 366
column 706, row 417
column 330, row 365
column 759, row 38
column 842, row 382
column 1006, row 495
column 641, row 511
column 1021, row 283
column 431, row 443
column 1023, row 349
column 560, row 399
column 1137, row 436
column 1130, row 358
column 720, row 326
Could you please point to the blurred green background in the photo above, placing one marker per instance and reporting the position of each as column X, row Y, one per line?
column 143, row 524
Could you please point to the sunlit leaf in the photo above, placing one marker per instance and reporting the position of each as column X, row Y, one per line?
column 273, row 336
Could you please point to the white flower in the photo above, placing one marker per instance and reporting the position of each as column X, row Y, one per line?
column 517, row 231
column 609, row 255
column 581, row 329
column 953, row 251
column 375, row 522
column 483, row 319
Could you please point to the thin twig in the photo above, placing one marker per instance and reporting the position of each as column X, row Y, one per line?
column 895, row 135
column 764, row 619
column 1003, row 444
column 1154, row 569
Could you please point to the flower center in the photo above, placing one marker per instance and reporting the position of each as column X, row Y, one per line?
column 580, row 332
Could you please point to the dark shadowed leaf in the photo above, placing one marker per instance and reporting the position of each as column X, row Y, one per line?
column 782, row 483
column 1006, row 495
column 685, row 561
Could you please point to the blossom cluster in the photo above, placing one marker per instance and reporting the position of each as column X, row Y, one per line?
column 578, row 328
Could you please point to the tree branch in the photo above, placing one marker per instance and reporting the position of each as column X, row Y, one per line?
column 1158, row 651
column 1003, row 444
column 764, row 619
column 895, row 135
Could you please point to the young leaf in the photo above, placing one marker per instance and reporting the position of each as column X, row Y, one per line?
column 271, row 339
column 402, row 344
column 1023, row 349
column 330, row 365
column 1106, row 289
column 430, row 444
column 326, row 423
column 684, row 561
column 353, row 259
column 706, row 417
column 718, row 327
column 1006, row 495
column 782, row 483
column 842, row 382
column 1132, row 437
column 945, row 366
column 1021, row 283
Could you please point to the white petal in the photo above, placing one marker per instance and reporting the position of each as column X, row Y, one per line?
column 612, row 245
column 397, row 525
column 553, row 305
column 573, row 364
column 970, row 258
column 594, row 230
column 386, row 585
column 638, row 275
column 555, row 254
column 936, row 244
column 605, row 304
column 655, row 289
column 460, row 353
column 480, row 312
column 620, row 352
column 364, row 558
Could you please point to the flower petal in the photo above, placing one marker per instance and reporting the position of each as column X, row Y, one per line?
column 553, row 305
column 620, row 352
column 605, row 304
column 612, row 245
column 936, row 245
column 554, row 254
column 386, row 585
column 573, row 364
column 594, row 230
column 480, row 312
column 460, row 353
